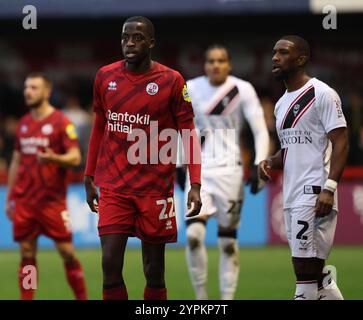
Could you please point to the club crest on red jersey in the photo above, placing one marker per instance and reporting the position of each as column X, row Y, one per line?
column 152, row 88
column 23, row 128
column 47, row 129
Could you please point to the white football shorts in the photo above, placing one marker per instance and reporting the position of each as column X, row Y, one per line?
column 309, row 236
column 222, row 195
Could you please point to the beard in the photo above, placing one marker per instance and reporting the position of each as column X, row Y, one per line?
column 281, row 76
column 34, row 104
column 284, row 75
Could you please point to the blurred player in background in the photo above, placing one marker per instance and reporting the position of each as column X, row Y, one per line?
column 314, row 148
column 221, row 103
column 136, row 199
column 46, row 144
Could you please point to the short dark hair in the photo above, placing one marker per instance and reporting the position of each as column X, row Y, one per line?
column 300, row 43
column 217, row 46
column 37, row 74
column 149, row 25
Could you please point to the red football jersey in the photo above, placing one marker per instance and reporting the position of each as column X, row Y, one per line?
column 151, row 101
column 38, row 182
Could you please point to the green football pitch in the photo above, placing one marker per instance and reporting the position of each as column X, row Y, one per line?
column 266, row 273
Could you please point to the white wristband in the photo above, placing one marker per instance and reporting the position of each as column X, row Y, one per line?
column 330, row 185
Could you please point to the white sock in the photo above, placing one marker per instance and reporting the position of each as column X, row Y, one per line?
column 196, row 254
column 329, row 290
column 306, row 290
column 228, row 267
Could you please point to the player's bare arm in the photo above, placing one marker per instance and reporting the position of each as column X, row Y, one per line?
column 253, row 177
column 261, row 141
column 271, row 163
column 71, row 158
column 339, row 140
column 13, row 170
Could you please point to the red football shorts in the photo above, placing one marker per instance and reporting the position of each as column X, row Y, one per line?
column 50, row 219
column 150, row 218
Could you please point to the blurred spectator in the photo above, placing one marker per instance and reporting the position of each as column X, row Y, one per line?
column 9, row 132
column 354, row 116
column 82, row 121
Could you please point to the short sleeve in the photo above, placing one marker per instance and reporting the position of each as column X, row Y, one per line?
column 97, row 100
column 181, row 103
column 69, row 134
column 330, row 111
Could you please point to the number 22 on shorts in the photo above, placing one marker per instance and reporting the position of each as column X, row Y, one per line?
column 166, row 213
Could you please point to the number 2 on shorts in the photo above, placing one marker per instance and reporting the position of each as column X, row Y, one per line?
column 302, row 231
column 235, row 207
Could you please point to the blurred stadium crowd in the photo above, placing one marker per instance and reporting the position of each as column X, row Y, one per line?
column 72, row 53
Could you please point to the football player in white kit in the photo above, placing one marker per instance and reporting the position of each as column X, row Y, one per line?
column 314, row 148
column 221, row 103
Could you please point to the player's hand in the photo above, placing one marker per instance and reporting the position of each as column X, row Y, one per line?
column 324, row 203
column 9, row 208
column 91, row 193
column 254, row 180
column 194, row 200
column 47, row 156
column 264, row 170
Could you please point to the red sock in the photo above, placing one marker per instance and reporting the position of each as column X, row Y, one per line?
column 27, row 289
column 75, row 279
column 116, row 293
column 155, row 293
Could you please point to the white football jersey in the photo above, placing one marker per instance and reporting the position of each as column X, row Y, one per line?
column 303, row 119
column 219, row 114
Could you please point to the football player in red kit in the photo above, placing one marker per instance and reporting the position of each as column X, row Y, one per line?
column 138, row 95
column 46, row 143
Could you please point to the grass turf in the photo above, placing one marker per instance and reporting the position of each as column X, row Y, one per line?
column 266, row 273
